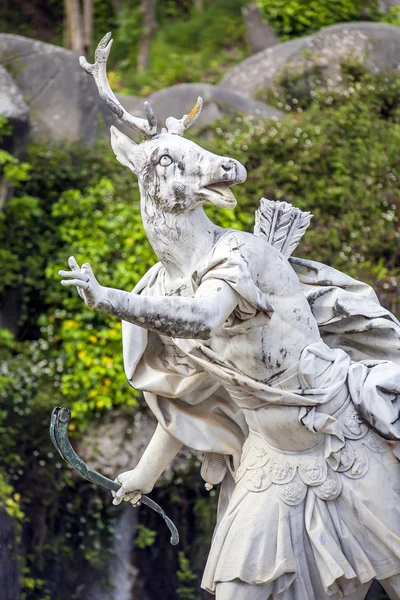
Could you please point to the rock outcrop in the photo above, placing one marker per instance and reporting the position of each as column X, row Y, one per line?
column 63, row 101
column 259, row 34
column 374, row 45
column 13, row 107
column 177, row 100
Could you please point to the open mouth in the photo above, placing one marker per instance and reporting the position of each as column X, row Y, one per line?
column 219, row 191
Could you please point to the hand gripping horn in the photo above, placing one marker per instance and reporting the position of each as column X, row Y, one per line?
column 59, row 436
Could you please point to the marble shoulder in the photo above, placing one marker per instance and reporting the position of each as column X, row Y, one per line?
column 251, row 247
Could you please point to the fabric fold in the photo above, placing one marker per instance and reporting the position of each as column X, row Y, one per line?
column 305, row 515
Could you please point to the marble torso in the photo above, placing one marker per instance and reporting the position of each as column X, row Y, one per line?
column 255, row 341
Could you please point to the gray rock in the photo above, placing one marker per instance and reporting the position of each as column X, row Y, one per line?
column 13, row 107
column 259, row 35
column 64, row 103
column 259, row 71
column 376, row 45
column 62, row 99
column 178, row 100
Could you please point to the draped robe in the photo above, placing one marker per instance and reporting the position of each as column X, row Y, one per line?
column 202, row 397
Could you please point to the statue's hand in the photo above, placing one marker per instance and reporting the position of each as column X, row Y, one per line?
column 133, row 485
column 86, row 283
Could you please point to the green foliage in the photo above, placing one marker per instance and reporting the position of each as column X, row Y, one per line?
column 103, row 226
column 293, row 18
column 338, row 159
column 10, row 501
column 187, row 589
column 44, row 20
column 11, row 169
column 58, row 518
column 189, row 47
column 59, row 212
column 145, row 537
column 392, row 16
column 104, row 19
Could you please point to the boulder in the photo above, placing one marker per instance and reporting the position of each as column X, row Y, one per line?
column 13, row 107
column 259, row 35
column 375, row 45
column 64, row 103
column 178, row 100
column 63, row 100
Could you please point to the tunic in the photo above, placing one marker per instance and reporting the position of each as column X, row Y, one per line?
column 310, row 492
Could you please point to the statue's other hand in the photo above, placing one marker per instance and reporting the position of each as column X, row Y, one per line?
column 133, row 486
column 86, row 283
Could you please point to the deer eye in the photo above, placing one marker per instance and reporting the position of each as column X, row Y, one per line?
column 165, row 161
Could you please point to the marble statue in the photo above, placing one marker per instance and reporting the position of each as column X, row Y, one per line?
column 283, row 371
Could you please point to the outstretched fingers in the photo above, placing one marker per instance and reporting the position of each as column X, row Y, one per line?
column 74, row 274
column 74, row 266
column 78, row 279
column 84, row 285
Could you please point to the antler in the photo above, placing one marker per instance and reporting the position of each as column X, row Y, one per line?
column 99, row 73
column 179, row 126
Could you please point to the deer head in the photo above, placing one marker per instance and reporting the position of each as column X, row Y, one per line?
column 175, row 175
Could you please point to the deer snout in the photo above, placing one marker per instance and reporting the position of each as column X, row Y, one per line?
column 232, row 171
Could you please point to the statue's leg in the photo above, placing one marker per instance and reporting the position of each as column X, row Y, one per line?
column 360, row 593
column 391, row 586
column 239, row 590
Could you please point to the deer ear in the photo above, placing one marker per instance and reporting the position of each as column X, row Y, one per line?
column 124, row 149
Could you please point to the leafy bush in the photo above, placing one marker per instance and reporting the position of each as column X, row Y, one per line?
column 339, row 159
column 293, row 18
column 187, row 589
column 192, row 47
column 392, row 16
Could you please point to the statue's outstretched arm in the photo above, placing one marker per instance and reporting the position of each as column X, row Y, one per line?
column 161, row 450
column 175, row 316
